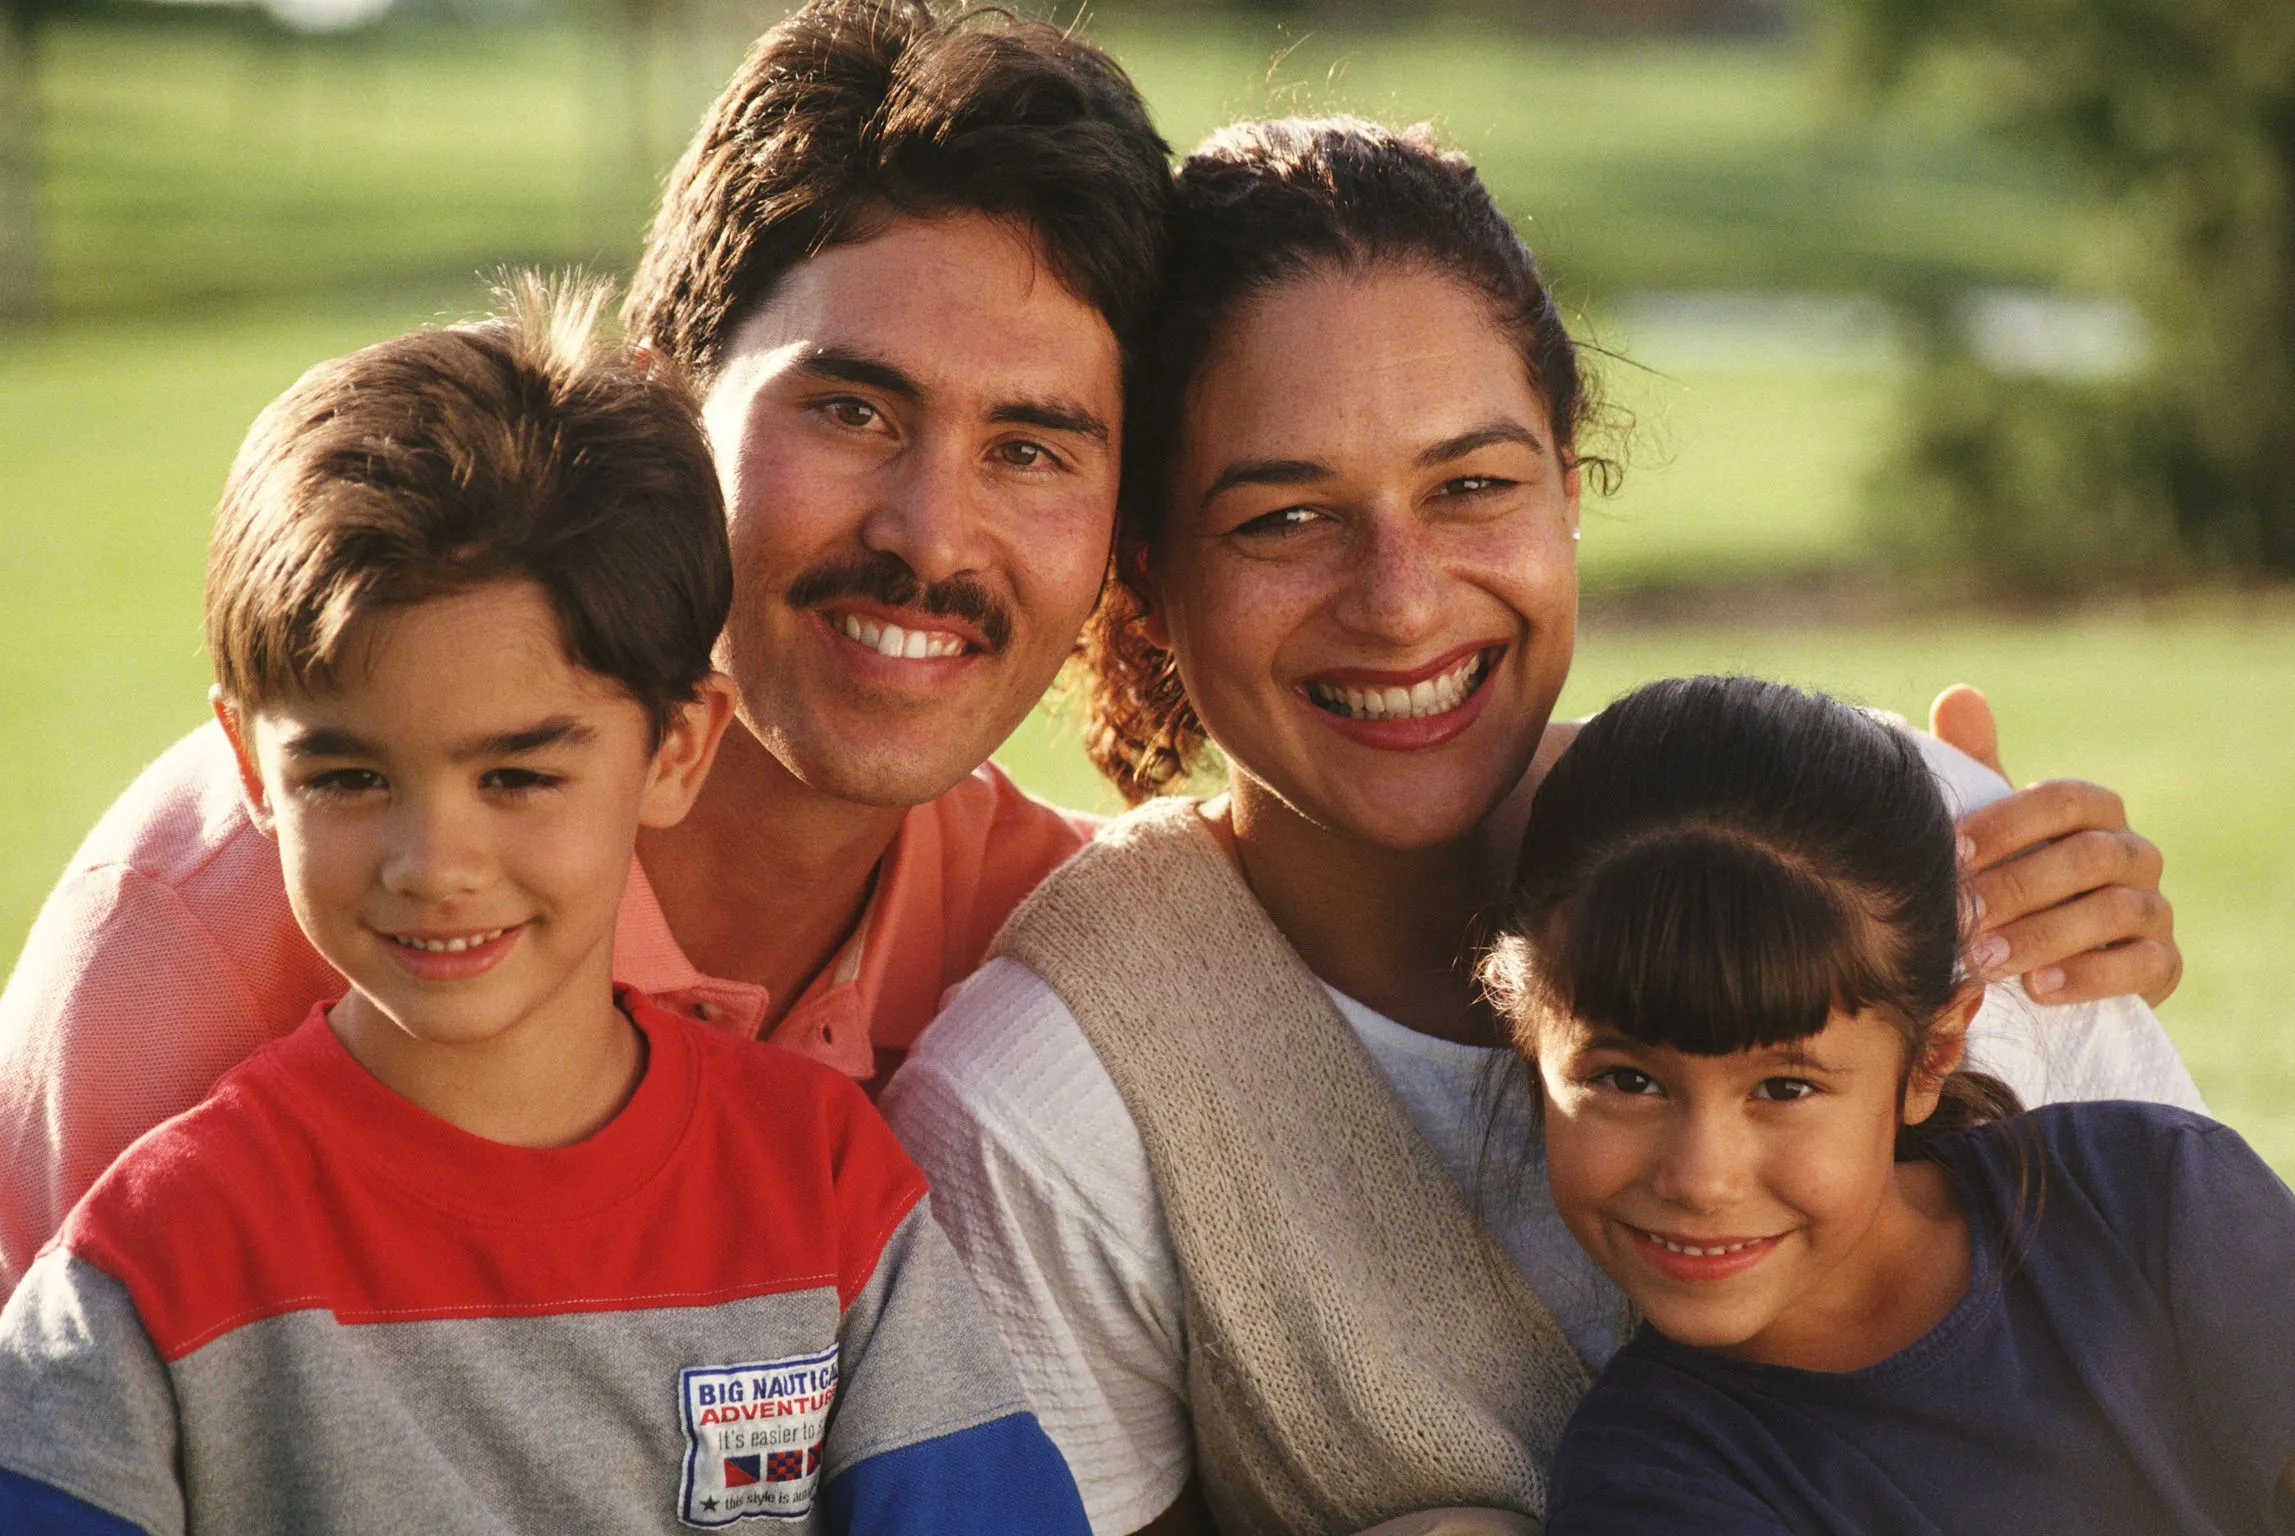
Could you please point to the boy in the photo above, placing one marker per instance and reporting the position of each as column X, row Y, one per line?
column 491, row 1244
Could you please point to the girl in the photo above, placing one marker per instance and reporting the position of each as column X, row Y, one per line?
column 1876, row 1298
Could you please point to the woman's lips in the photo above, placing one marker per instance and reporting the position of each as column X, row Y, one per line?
column 1405, row 711
column 1699, row 1259
column 437, row 957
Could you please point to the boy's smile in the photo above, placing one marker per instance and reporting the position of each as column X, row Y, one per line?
column 455, row 820
column 1751, row 1203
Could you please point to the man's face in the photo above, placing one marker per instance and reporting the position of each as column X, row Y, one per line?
column 917, row 436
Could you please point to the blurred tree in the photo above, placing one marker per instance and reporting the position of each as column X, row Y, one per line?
column 2185, row 112
column 23, row 288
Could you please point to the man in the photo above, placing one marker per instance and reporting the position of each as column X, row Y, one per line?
column 903, row 258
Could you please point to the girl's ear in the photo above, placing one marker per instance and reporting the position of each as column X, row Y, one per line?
column 238, row 729
column 1947, row 1047
column 689, row 742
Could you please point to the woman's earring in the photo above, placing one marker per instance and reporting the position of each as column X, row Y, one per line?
column 1575, row 534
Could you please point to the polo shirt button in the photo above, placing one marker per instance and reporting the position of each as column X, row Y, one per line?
column 708, row 1013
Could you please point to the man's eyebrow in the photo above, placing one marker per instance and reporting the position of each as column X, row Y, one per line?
column 557, row 731
column 1481, row 437
column 1266, row 472
column 846, row 366
column 1052, row 416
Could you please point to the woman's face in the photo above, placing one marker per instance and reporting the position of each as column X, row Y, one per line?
column 1368, row 571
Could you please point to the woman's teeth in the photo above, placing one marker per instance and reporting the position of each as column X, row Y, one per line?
column 453, row 946
column 1428, row 696
column 892, row 640
column 1695, row 1252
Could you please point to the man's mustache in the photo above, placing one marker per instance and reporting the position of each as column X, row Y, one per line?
column 886, row 578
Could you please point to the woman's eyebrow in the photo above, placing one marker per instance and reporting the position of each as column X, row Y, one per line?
column 1266, row 472
column 1481, row 437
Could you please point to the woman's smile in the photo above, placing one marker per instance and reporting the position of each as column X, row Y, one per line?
column 1367, row 573
column 1409, row 710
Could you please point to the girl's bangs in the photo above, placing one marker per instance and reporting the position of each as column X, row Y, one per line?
column 1707, row 943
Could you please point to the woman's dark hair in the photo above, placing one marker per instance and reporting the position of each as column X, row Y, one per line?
column 1259, row 204
column 1718, row 863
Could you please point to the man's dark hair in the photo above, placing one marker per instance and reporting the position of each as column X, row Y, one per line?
column 520, row 448
column 852, row 112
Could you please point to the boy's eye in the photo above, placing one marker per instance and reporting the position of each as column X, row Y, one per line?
column 344, row 782
column 1783, row 1090
column 1626, row 1080
column 518, row 781
column 848, row 412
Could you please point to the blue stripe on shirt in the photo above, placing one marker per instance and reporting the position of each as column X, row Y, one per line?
column 33, row 1508
column 1001, row 1478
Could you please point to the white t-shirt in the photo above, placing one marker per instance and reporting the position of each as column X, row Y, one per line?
column 1041, row 1180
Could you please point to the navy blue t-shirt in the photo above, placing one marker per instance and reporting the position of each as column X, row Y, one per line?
column 2133, row 1369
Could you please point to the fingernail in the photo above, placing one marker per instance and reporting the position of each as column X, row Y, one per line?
column 1967, row 851
column 1976, row 904
column 1988, row 953
column 2044, row 981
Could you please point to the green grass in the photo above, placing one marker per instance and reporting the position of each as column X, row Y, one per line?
column 206, row 158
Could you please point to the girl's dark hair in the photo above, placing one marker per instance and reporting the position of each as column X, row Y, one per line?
column 1257, row 205
column 1718, row 863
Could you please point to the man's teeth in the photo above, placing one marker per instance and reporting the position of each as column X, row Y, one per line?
column 1696, row 1252
column 453, row 946
column 892, row 640
column 1428, row 696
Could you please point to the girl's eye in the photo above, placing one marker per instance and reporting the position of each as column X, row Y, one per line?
column 1280, row 523
column 1627, row 1080
column 342, row 783
column 1783, row 1090
column 518, row 781
column 848, row 412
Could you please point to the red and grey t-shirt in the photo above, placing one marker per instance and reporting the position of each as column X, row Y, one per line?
column 308, row 1305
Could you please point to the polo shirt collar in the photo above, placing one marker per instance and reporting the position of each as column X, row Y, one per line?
column 881, row 988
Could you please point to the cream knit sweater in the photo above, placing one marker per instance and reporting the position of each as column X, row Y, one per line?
column 1358, row 1346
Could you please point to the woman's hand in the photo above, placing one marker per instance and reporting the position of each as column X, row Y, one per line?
column 2068, row 895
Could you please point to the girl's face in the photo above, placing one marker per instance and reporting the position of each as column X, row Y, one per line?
column 1747, row 1203
column 1367, row 572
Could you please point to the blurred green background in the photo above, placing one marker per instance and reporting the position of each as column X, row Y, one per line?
column 226, row 201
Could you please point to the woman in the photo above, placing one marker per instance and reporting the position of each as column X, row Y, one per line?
column 1211, row 1130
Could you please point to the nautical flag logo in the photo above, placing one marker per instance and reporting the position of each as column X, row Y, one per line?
column 753, row 1438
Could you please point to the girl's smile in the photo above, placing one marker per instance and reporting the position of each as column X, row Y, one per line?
column 1750, row 1202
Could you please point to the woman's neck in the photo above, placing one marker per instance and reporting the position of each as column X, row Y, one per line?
column 1396, row 929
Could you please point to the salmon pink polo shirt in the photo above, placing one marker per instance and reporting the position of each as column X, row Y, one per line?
column 167, row 954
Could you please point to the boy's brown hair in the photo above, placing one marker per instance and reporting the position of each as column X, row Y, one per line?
column 853, row 111
column 519, row 447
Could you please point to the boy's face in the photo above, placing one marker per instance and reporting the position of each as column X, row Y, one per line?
column 456, row 820
column 1745, row 1201
column 917, row 436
